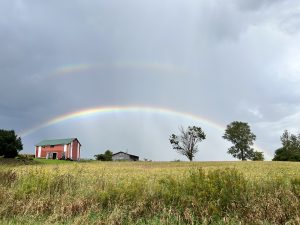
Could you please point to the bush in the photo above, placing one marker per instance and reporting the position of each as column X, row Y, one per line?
column 107, row 156
column 25, row 156
column 258, row 156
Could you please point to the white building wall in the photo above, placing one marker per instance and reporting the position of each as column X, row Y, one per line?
column 71, row 150
column 65, row 151
column 78, row 151
column 39, row 151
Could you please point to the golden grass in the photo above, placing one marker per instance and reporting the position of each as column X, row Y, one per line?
column 150, row 193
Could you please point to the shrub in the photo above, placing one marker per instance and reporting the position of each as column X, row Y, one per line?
column 107, row 156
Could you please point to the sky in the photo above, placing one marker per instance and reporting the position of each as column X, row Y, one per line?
column 154, row 66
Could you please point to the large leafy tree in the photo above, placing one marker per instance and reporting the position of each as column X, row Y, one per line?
column 187, row 142
column 290, row 150
column 10, row 144
column 240, row 135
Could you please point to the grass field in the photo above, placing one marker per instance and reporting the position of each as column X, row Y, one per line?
column 59, row 192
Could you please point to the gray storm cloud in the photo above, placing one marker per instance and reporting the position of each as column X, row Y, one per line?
column 233, row 60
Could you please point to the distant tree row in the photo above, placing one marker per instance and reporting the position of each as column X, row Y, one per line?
column 238, row 133
column 290, row 150
column 186, row 143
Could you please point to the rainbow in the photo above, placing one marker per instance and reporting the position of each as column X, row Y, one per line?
column 127, row 109
column 122, row 109
column 82, row 67
column 67, row 69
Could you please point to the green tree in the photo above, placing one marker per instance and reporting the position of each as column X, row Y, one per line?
column 258, row 156
column 187, row 142
column 240, row 135
column 107, row 156
column 290, row 150
column 10, row 144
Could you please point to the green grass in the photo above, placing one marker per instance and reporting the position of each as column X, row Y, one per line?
column 53, row 161
column 16, row 162
column 64, row 192
column 34, row 161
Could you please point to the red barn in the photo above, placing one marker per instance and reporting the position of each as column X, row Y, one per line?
column 58, row 149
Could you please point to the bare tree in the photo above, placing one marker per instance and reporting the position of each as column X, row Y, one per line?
column 187, row 142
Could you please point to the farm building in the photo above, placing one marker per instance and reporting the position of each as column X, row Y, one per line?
column 58, row 149
column 123, row 156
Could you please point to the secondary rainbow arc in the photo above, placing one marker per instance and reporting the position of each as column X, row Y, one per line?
column 82, row 67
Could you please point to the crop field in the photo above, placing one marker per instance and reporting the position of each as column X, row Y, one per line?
column 150, row 193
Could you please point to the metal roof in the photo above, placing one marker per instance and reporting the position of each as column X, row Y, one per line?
column 126, row 154
column 55, row 142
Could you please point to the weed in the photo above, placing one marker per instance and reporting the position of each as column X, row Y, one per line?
column 150, row 193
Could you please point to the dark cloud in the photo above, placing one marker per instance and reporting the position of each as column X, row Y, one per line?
column 255, row 4
column 226, row 61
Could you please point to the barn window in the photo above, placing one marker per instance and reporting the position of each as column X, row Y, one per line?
column 51, row 146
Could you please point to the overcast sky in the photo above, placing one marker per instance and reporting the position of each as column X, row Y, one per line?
column 221, row 60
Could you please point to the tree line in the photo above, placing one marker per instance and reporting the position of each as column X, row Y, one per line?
column 186, row 143
column 242, row 138
column 290, row 150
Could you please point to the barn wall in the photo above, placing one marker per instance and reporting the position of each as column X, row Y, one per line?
column 68, row 155
column 59, row 149
column 75, row 150
column 78, row 151
column 134, row 158
column 121, row 156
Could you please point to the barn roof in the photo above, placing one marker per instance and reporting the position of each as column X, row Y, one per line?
column 56, row 142
column 126, row 154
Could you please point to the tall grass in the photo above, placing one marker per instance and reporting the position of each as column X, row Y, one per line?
column 116, row 193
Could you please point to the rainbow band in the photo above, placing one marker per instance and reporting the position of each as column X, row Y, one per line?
column 125, row 109
column 82, row 67
column 122, row 109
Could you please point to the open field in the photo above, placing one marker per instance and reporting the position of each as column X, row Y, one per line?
column 150, row 193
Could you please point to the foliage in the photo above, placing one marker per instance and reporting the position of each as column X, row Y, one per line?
column 258, row 156
column 187, row 142
column 26, row 156
column 13, row 162
column 53, row 162
column 10, row 144
column 290, row 150
column 239, row 133
column 107, row 156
